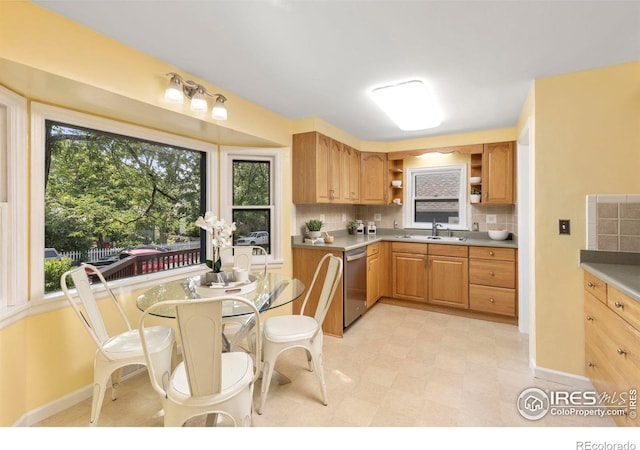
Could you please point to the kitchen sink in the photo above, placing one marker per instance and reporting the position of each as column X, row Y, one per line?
column 421, row 237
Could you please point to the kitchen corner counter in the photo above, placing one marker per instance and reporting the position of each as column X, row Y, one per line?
column 346, row 242
column 619, row 269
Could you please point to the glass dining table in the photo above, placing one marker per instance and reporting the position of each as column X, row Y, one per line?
column 267, row 291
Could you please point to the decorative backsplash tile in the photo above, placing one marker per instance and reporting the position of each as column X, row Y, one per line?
column 613, row 223
column 505, row 215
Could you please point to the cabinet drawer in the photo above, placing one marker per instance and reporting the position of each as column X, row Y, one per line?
column 595, row 286
column 409, row 247
column 373, row 249
column 492, row 300
column 505, row 254
column 614, row 338
column 492, row 273
column 624, row 306
column 461, row 251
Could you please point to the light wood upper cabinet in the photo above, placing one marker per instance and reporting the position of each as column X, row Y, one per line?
column 324, row 170
column 373, row 178
column 498, row 173
column 350, row 175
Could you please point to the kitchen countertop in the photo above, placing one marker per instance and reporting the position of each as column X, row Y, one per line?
column 619, row 269
column 346, row 242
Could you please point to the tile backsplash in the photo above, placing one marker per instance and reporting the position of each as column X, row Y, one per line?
column 505, row 215
column 613, row 222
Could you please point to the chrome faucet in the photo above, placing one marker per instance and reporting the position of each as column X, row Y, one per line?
column 434, row 228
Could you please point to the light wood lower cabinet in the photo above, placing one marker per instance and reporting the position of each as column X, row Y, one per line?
column 409, row 271
column 612, row 346
column 448, row 276
column 492, row 280
column 374, row 290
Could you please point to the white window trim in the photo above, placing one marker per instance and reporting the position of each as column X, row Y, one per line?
column 15, row 244
column 40, row 113
column 227, row 155
column 464, row 207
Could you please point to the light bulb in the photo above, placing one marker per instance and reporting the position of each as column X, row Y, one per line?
column 219, row 110
column 198, row 102
column 173, row 93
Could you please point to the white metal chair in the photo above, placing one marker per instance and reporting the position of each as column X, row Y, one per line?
column 114, row 351
column 285, row 332
column 244, row 257
column 207, row 381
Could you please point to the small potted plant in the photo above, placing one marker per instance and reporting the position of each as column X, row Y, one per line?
column 314, row 226
column 475, row 195
column 352, row 226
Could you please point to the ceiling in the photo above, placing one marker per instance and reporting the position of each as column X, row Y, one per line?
column 320, row 59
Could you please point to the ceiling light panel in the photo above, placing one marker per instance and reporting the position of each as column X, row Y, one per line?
column 411, row 105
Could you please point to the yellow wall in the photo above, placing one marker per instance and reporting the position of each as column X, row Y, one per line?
column 13, row 373
column 587, row 141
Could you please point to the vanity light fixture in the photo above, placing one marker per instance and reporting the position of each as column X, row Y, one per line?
column 410, row 104
column 179, row 87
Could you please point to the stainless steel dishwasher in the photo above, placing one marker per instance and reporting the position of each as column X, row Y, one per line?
column 355, row 284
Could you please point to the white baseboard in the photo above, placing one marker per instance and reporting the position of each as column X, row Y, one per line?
column 39, row 414
column 568, row 379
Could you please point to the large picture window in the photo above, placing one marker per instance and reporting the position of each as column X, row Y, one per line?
column 437, row 194
column 122, row 197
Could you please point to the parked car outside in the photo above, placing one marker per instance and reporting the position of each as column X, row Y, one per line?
column 134, row 251
column 254, row 238
column 51, row 253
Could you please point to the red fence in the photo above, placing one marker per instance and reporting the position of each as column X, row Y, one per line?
column 157, row 262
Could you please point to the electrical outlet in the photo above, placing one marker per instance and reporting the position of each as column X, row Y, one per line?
column 322, row 217
column 377, row 217
column 491, row 218
column 344, row 217
column 564, row 226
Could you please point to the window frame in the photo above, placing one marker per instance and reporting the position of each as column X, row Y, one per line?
column 227, row 156
column 463, row 210
column 14, row 244
column 42, row 112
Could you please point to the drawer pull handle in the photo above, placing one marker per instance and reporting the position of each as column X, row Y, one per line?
column 590, row 364
column 491, row 300
column 590, row 284
column 618, row 305
column 491, row 253
column 589, row 318
column 491, row 273
column 621, row 351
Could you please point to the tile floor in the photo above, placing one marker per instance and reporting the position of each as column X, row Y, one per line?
column 395, row 367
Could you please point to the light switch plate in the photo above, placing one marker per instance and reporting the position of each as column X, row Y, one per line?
column 344, row 217
column 322, row 217
column 377, row 217
column 491, row 218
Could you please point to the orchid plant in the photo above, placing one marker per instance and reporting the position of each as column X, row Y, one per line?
column 221, row 233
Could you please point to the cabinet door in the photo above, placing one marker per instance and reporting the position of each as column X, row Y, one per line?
column 373, row 178
column 449, row 281
column 409, row 276
column 323, row 179
column 350, row 175
column 354, row 175
column 373, row 279
column 335, row 164
column 498, row 173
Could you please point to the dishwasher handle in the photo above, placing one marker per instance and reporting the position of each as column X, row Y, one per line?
column 355, row 256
